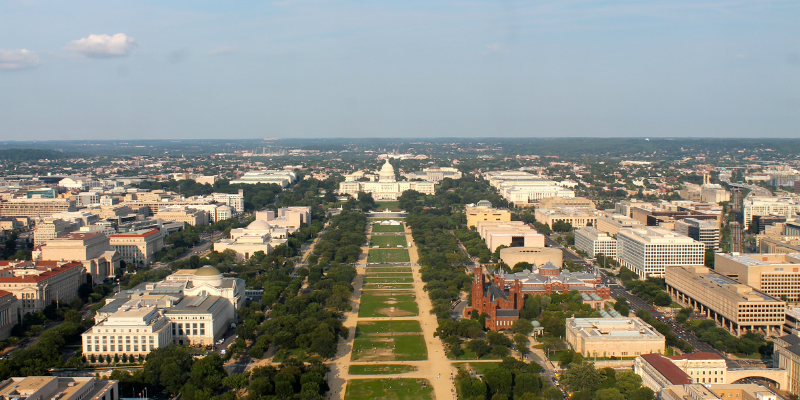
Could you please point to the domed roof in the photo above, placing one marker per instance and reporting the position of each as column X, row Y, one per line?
column 536, row 323
column 387, row 169
column 207, row 271
column 259, row 225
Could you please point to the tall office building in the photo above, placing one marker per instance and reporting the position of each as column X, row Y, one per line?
column 648, row 251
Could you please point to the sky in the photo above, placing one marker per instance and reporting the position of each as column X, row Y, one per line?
column 416, row 69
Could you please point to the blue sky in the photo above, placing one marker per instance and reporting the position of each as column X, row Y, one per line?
column 195, row 69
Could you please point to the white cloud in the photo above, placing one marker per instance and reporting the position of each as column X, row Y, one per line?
column 221, row 50
column 18, row 59
column 102, row 46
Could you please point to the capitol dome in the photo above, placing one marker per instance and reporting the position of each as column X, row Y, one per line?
column 387, row 168
column 386, row 174
column 207, row 275
column 259, row 225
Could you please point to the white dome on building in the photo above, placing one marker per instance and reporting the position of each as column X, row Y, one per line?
column 259, row 225
column 386, row 174
column 387, row 168
column 207, row 275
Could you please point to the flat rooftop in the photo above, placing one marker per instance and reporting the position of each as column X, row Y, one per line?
column 598, row 328
column 721, row 285
column 754, row 260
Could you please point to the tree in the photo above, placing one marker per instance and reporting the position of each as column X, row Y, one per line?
column 628, row 382
column 522, row 326
column 553, row 393
column 581, row 376
column 498, row 380
column 608, row 394
column 208, row 372
column 520, row 266
column 168, row 367
column 527, row 383
column 472, row 387
column 479, row 347
column 642, row 393
column 521, row 343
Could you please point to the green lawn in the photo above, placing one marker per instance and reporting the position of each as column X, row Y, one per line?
column 378, row 228
column 388, row 269
column 379, row 327
column 387, row 286
column 388, row 279
column 384, row 389
column 383, row 369
column 391, row 205
column 391, row 241
column 388, row 256
column 389, row 274
column 388, row 304
column 390, row 347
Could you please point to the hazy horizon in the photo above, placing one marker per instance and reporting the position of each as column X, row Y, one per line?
column 91, row 70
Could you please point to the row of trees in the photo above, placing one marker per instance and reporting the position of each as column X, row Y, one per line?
column 511, row 379
column 475, row 246
column 173, row 369
column 342, row 242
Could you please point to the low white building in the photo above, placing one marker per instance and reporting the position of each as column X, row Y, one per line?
column 258, row 236
column 190, row 307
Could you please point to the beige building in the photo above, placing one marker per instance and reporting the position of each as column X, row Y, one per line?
column 648, row 251
column 523, row 189
column 51, row 229
column 132, row 331
column 784, row 244
column 200, row 320
column 593, row 241
column 183, row 214
column 37, row 284
column 613, row 337
column 706, row 232
column 578, row 217
column 786, row 355
column 138, row 247
column 8, row 313
column 764, row 206
column 209, row 281
column 190, row 307
column 702, row 367
column 612, row 223
column 736, row 307
column 435, row 174
column 93, row 249
column 534, row 255
column 777, row 275
column 258, row 236
column 486, row 213
column 555, row 202
column 59, row 388
column 698, row 391
column 509, row 234
column 35, row 209
column 658, row 372
column 289, row 218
